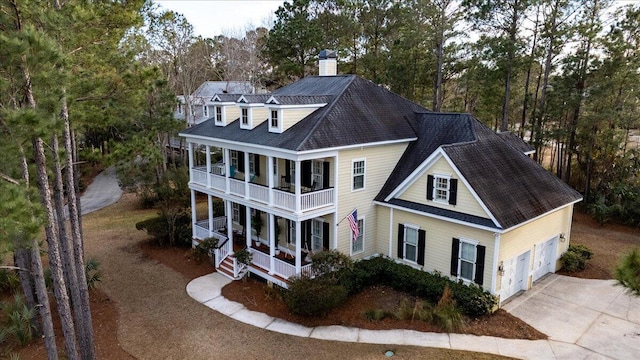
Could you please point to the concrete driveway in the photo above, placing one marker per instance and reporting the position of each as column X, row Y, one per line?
column 583, row 318
column 103, row 191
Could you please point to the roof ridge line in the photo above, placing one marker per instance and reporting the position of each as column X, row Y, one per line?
column 335, row 99
column 473, row 132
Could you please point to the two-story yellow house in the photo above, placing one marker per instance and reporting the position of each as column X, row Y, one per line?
column 436, row 191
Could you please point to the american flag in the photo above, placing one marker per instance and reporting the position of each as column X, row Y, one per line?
column 353, row 223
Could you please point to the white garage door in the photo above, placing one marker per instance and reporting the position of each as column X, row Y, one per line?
column 544, row 258
column 515, row 276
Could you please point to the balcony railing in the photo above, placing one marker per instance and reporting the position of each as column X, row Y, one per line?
column 201, row 228
column 281, row 268
column 285, row 200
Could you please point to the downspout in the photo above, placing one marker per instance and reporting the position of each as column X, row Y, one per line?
column 494, row 267
column 390, row 232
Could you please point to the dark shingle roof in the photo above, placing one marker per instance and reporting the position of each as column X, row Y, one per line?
column 256, row 99
column 516, row 142
column 301, row 100
column 227, row 97
column 358, row 112
column 513, row 187
column 434, row 129
column 472, row 219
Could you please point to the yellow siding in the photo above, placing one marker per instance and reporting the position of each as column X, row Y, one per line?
column 523, row 238
column 259, row 115
column 439, row 235
column 232, row 113
column 379, row 161
column 465, row 203
column 291, row 116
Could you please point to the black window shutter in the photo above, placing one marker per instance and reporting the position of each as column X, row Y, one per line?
column 480, row 250
column 243, row 215
column 288, row 235
column 240, row 161
column 325, row 235
column 306, row 173
column 455, row 250
column 256, row 160
column 308, row 235
column 325, row 175
column 430, row 187
column 422, row 239
column 287, row 171
column 453, row 191
column 400, row 241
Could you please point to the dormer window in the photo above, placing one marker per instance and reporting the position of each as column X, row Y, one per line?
column 205, row 111
column 245, row 116
column 275, row 121
column 274, row 118
column 218, row 110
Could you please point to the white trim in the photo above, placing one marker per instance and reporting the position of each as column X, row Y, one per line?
column 423, row 168
column 362, row 233
column 391, row 226
column 249, row 124
column 205, row 111
column 364, row 174
column 434, row 191
column 404, row 242
column 494, row 268
column 444, row 218
column 475, row 244
column 278, row 128
column 541, row 215
column 304, row 155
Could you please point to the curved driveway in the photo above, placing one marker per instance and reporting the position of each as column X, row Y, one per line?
column 102, row 192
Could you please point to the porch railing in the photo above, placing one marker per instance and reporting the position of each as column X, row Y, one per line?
column 260, row 259
column 222, row 251
column 236, row 187
column 199, row 176
column 316, row 199
column 281, row 268
column 218, row 182
column 259, row 193
column 284, row 200
column 201, row 229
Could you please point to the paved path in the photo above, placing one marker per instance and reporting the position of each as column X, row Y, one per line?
column 102, row 192
column 581, row 323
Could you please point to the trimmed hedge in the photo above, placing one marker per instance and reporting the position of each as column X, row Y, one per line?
column 471, row 299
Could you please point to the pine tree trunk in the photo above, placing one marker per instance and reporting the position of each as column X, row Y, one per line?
column 83, row 311
column 22, row 259
column 59, row 285
column 43, row 299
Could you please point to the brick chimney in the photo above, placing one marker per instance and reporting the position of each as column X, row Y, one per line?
column 328, row 63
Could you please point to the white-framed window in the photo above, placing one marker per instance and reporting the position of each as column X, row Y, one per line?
column 180, row 108
column 441, row 188
column 218, row 110
column 357, row 244
column 252, row 164
column 235, row 209
column 467, row 260
column 205, row 111
column 275, row 121
column 317, row 174
column 233, row 154
column 292, row 171
column 291, row 239
column 316, row 235
column 411, row 243
column 358, row 170
column 244, row 116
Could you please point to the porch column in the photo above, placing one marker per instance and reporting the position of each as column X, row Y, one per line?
column 298, row 246
column 194, row 218
column 246, row 174
column 247, row 227
column 298, row 188
column 208, row 150
column 270, row 178
column 391, row 226
column 210, row 206
column 335, row 230
column 229, row 215
column 227, row 165
column 190, row 149
column 335, row 182
column 272, row 243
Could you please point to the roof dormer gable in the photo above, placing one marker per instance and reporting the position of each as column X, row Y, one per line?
column 287, row 110
column 224, row 108
column 252, row 111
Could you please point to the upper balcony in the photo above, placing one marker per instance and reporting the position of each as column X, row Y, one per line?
column 278, row 186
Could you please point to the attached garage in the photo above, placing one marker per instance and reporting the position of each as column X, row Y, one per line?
column 544, row 258
column 516, row 274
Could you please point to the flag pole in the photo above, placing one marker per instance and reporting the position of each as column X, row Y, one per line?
column 350, row 212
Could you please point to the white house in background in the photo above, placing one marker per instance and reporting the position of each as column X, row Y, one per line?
column 435, row 191
column 201, row 99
